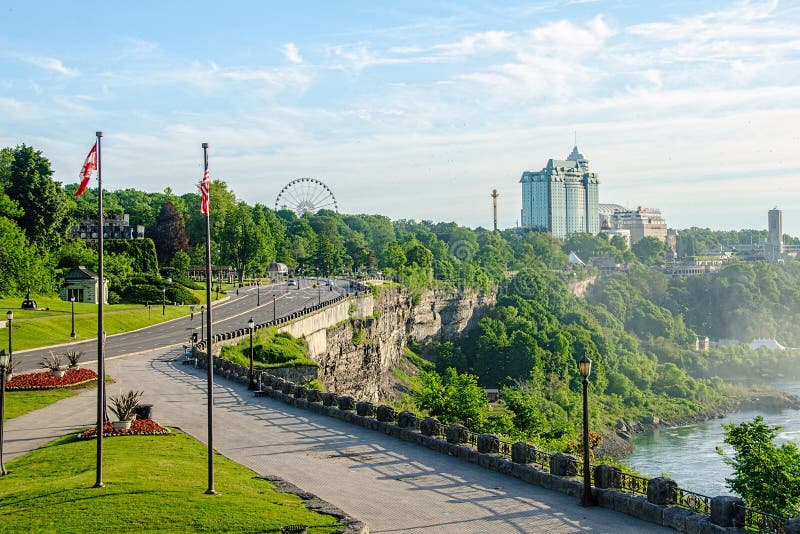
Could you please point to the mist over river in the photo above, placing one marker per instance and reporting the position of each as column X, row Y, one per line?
column 688, row 454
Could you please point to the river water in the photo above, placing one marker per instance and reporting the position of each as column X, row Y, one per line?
column 688, row 454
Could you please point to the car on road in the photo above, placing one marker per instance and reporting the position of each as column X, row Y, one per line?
column 292, row 282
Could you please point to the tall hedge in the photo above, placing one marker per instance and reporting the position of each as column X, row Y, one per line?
column 143, row 252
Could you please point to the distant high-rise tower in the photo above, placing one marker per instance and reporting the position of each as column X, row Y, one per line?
column 562, row 198
column 775, row 227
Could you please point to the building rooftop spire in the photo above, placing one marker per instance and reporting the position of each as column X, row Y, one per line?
column 575, row 155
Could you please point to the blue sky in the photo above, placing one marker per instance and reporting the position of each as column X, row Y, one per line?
column 419, row 109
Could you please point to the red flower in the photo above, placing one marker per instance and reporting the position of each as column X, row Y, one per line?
column 46, row 380
column 139, row 427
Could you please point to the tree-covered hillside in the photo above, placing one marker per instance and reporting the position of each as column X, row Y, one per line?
column 638, row 326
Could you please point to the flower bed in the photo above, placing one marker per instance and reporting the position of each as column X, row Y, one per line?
column 139, row 427
column 46, row 380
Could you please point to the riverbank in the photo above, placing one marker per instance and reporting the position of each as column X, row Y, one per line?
column 619, row 443
column 688, row 454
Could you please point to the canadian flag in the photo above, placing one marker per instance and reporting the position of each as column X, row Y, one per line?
column 86, row 173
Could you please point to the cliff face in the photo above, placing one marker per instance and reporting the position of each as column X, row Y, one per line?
column 580, row 287
column 361, row 353
column 447, row 314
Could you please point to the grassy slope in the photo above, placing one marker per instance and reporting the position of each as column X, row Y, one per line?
column 21, row 402
column 153, row 484
column 270, row 350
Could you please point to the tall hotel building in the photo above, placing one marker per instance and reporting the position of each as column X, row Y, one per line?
column 562, row 198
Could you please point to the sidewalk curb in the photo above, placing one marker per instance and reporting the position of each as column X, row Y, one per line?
column 314, row 503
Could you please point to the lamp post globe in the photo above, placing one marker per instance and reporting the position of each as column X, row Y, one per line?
column 251, row 376
column 585, row 369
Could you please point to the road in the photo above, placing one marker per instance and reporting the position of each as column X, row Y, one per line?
column 227, row 315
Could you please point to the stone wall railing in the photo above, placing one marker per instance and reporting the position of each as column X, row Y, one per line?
column 657, row 500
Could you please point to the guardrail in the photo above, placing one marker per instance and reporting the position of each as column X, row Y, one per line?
column 756, row 521
column 700, row 504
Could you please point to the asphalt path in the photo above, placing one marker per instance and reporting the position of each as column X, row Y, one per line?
column 262, row 304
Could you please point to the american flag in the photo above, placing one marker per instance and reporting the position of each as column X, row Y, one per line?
column 204, row 204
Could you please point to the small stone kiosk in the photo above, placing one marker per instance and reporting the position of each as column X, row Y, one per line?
column 82, row 284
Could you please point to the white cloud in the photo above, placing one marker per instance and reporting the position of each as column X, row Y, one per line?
column 49, row 63
column 477, row 42
column 292, row 53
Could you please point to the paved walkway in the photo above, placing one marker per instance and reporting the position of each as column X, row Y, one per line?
column 392, row 485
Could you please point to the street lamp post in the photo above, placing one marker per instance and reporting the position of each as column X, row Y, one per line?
column 202, row 322
column 585, row 368
column 252, row 376
column 72, row 301
column 4, row 361
column 10, row 317
column 258, row 292
column 163, row 301
column 273, row 309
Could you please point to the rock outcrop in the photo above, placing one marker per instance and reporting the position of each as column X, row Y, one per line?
column 361, row 352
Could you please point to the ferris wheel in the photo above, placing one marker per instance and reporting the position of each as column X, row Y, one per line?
column 306, row 195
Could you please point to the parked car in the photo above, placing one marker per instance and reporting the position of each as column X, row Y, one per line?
column 292, row 282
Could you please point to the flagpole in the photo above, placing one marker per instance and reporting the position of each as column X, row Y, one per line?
column 210, row 490
column 101, row 376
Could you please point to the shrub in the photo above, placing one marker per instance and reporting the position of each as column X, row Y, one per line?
column 124, row 405
column 178, row 293
column 54, row 362
column 73, row 356
column 144, row 293
column 764, row 474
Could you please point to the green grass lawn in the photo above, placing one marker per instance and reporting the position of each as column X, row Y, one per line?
column 42, row 328
column 21, row 402
column 270, row 348
column 153, row 484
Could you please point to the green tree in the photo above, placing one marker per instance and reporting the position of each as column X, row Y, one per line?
column 395, row 256
column 766, row 476
column 180, row 265
column 43, row 203
column 649, row 250
column 242, row 245
column 118, row 268
column 454, row 398
column 23, row 266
